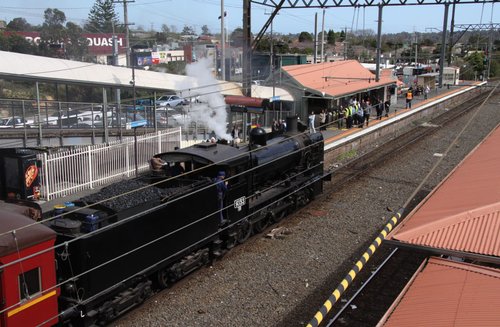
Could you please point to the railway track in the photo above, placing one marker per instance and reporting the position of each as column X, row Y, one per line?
column 363, row 163
column 283, row 282
column 391, row 268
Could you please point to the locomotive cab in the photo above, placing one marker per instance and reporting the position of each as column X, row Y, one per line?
column 27, row 272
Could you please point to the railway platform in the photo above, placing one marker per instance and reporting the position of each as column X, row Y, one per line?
column 333, row 133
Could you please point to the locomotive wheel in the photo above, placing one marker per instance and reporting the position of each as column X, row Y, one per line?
column 277, row 217
column 163, row 278
column 260, row 225
column 244, row 231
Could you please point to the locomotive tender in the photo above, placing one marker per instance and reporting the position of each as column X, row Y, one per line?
column 113, row 248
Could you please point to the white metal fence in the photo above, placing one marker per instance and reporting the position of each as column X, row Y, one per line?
column 73, row 171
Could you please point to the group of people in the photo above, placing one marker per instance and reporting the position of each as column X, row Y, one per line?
column 355, row 113
column 358, row 113
column 278, row 126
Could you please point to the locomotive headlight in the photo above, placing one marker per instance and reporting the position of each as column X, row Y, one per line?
column 70, row 288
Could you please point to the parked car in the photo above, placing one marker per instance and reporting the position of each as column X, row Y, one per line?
column 66, row 118
column 14, row 122
column 171, row 101
column 95, row 114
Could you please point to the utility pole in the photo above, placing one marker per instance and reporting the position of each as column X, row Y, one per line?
column 452, row 27
column 345, row 43
column 323, row 37
column 443, row 45
column 222, row 42
column 125, row 21
column 379, row 43
column 315, row 37
column 247, row 50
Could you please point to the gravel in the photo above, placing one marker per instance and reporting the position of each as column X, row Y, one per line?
column 284, row 281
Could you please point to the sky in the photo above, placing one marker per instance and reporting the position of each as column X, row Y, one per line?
column 152, row 14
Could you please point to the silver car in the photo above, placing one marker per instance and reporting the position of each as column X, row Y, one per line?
column 171, row 101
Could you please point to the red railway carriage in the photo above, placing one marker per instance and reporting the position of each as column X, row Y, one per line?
column 27, row 287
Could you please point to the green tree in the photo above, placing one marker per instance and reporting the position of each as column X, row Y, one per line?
column 342, row 36
column 205, row 30
column 237, row 37
column 330, row 37
column 188, row 30
column 76, row 44
column 474, row 66
column 19, row 44
column 19, row 24
column 53, row 33
column 102, row 17
column 305, row 37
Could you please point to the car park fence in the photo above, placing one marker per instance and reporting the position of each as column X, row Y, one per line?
column 71, row 171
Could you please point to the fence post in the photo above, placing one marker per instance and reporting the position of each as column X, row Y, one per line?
column 45, row 167
column 127, row 156
column 159, row 136
column 89, row 153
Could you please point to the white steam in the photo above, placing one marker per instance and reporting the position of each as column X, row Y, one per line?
column 210, row 110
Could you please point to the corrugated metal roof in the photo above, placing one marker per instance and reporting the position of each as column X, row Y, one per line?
column 258, row 91
column 337, row 78
column 37, row 67
column 447, row 293
column 463, row 212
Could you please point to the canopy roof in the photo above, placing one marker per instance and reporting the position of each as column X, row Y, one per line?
column 447, row 293
column 463, row 212
column 336, row 79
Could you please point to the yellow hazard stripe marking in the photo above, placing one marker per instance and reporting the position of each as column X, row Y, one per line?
column 318, row 317
column 31, row 303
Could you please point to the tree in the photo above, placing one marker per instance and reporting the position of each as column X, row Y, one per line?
column 53, row 33
column 205, row 30
column 188, row 30
column 19, row 24
column 237, row 37
column 342, row 36
column 19, row 44
column 305, row 37
column 102, row 17
column 330, row 37
column 76, row 44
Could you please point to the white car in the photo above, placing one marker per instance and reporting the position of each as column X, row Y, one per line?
column 14, row 122
column 95, row 115
column 171, row 101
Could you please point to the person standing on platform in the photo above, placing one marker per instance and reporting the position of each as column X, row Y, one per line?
column 312, row 120
column 367, row 109
column 387, row 106
column 349, row 116
column 340, row 117
column 409, row 98
column 380, row 108
column 322, row 120
column 427, row 89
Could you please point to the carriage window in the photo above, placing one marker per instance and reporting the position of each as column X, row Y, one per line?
column 29, row 284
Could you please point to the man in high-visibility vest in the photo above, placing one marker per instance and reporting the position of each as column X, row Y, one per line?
column 409, row 97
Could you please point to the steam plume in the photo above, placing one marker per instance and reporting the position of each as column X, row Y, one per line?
column 210, row 110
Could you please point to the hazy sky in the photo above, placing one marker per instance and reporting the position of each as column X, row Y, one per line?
column 152, row 14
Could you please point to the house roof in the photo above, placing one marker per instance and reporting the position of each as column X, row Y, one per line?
column 447, row 293
column 336, row 79
column 463, row 212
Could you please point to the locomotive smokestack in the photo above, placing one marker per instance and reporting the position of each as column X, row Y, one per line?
column 258, row 136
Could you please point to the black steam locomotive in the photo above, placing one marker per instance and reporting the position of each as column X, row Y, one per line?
column 114, row 247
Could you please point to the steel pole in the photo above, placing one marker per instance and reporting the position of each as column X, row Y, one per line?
column 379, row 43
column 443, row 45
